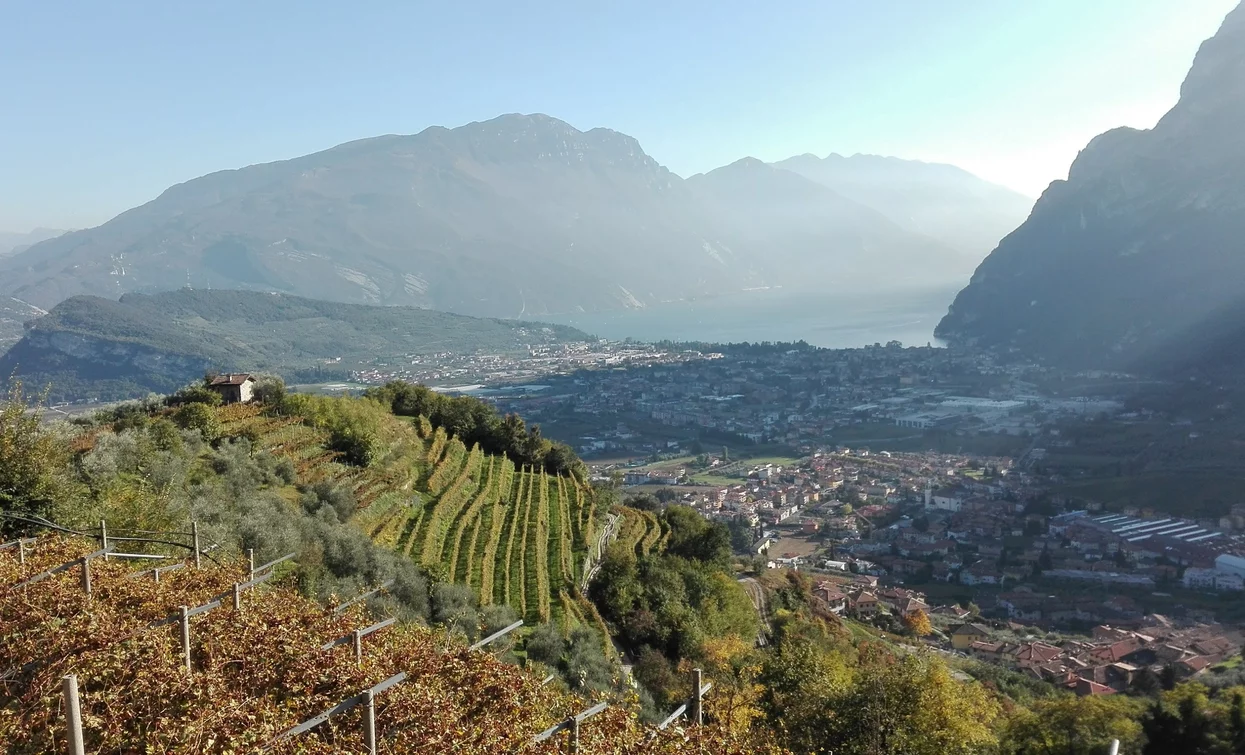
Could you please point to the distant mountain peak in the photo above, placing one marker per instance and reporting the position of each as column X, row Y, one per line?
column 944, row 202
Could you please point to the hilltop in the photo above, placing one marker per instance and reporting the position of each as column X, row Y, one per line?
column 1141, row 249
column 518, row 216
column 89, row 346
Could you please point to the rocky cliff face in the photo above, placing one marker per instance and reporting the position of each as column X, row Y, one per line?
column 1142, row 247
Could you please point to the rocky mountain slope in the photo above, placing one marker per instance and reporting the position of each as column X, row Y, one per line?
column 1143, row 246
column 942, row 202
column 99, row 348
column 518, row 216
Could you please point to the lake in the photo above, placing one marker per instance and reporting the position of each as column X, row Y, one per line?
column 832, row 319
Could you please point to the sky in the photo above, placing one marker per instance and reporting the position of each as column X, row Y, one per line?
column 104, row 105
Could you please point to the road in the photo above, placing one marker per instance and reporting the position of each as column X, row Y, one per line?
column 761, row 604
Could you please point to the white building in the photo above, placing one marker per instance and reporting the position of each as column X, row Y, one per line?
column 1213, row 579
column 1230, row 564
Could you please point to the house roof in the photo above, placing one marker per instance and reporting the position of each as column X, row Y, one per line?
column 1088, row 687
column 971, row 628
column 230, row 379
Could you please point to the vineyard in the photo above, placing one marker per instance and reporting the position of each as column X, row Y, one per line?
column 258, row 669
column 515, row 535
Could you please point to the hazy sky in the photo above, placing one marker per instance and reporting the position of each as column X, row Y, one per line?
column 105, row 104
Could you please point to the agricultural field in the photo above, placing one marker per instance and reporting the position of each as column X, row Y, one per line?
column 515, row 535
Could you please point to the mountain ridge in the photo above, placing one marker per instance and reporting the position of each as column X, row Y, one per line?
column 1140, row 247
column 940, row 201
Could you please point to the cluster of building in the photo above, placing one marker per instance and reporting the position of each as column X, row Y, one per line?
column 1110, row 660
column 796, row 396
column 540, row 360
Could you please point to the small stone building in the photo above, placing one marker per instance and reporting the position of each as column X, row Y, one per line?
column 234, row 388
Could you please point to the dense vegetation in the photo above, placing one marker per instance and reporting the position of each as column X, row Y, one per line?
column 157, row 342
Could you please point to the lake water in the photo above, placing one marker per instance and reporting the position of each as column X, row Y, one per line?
column 832, row 319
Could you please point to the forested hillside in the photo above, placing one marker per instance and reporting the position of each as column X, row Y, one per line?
column 110, row 350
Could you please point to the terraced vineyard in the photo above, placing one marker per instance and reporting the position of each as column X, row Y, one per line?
column 515, row 535
column 640, row 531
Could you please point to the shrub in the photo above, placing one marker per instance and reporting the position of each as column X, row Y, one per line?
column 195, row 393
column 199, row 416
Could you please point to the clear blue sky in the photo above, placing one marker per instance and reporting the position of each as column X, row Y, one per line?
column 105, row 104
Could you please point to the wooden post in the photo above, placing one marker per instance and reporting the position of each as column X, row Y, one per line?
column 369, row 721
column 194, row 532
column 250, row 557
column 86, row 576
column 575, row 735
column 73, row 715
column 237, row 596
column 185, row 626
column 103, row 537
column 21, row 552
column 358, row 647
column 696, row 718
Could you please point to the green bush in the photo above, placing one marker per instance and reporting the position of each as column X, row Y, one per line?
column 195, row 393
column 199, row 416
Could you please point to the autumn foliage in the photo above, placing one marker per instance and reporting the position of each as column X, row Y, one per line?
column 258, row 671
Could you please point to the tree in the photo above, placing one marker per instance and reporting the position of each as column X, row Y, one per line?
column 33, row 460
column 1068, row 725
column 1146, row 683
column 196, row 393
column 270, row 391
column 741, row 535
column 918, row 623
column 201, row 417
column 546, row 645
column 1167, row 677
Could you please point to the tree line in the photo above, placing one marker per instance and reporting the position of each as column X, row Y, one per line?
column 474, row 421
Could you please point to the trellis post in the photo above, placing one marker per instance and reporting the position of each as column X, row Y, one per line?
column 73, row 715
column 369, row 720
column 86, row 576
column 194, row 533
column 185, row 627
column 697, row 717
column 103, row 537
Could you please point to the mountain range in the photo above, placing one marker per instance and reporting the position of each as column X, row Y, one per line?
column 1137, row 260
column 520, row 216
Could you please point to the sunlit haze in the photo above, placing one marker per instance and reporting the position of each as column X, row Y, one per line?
column 107, row 104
